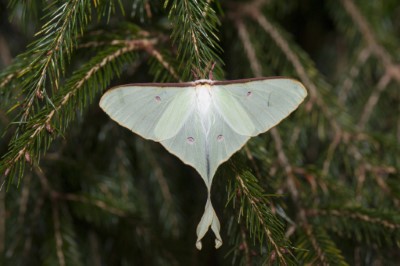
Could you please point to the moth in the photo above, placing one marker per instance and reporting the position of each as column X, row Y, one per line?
column 204, row 122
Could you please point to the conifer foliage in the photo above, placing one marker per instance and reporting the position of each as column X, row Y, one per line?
column 321, row 188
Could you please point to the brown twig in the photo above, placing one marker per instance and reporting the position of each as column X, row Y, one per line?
column 57, row 233
column 331, row 151
column 354, row 215
column 295, row 195
column 364, row 166
column 295, row 60
column 373, row 100
column 55, row 213
column 248, row 47
column 360, row 175
column 392, row 70
column 320, row 254
column 98, row 203
column 7, row 79
column 354, row 71
column 284, row 162
column 5, row 54
column 376, row 48
column 283, row 159
column 157, row 55
column 256, row 68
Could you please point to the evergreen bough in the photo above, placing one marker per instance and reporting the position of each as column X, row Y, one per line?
column 322, row 188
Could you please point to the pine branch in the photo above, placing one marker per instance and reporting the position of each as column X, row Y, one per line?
column 364, row 225
column 291, row 54
column 316, row 248
column 194, row 30
column 45, row 61
column 64, row 242
column 53, row 49
column 142, row 9
column 253, row 204
column 338, row 150
column 77, row 93
column 10, row 83
column 248, row 47
column 300, row 62
column 354, row 72
column 256, row 67
column 391, row 69
column 68, row 250
column 253, row 9
column 373, row 100
column 257, row 70
column 325, row 251
column 28, row 10
column 161, row 66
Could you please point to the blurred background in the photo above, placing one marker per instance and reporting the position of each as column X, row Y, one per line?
column 321, row 188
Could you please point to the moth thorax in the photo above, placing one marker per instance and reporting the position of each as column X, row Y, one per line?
column 203, row 98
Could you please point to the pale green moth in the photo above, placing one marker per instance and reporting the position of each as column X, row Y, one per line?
column 204, row 122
